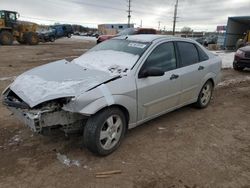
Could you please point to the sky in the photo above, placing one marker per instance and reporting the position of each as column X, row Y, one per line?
column 200, row 15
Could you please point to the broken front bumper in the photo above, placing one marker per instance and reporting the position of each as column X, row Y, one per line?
column 50, row 115
column 37, row 120
column 32, row 119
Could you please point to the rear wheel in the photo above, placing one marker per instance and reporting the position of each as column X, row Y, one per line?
column 205, row 95
column 31, row 38
column 6, row 38
column 104, row 131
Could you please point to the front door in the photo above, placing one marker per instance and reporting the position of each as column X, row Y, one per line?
column 157, row 95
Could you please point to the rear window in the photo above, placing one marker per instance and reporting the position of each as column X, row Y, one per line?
column 188, row 53
column 132, row 47
column 202, row 54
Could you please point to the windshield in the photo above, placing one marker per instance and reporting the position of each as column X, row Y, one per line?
column 113, row 56
column 136, row 48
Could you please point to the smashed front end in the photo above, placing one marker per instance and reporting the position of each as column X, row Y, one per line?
column 46, row 116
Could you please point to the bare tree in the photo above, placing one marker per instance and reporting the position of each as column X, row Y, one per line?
column 186, row 30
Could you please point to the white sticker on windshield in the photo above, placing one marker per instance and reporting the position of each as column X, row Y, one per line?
column 137, row 45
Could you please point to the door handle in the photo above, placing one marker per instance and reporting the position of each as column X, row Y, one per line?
column 201, row 68
column 174, row 76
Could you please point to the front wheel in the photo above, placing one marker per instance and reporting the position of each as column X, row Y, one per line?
column 104, row 131
column 236, row 67
column 52, row 39
column 205, row 95
column 6, row 38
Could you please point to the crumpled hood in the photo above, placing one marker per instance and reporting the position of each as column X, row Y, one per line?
column 56, row 80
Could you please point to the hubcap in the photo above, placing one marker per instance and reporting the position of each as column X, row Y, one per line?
column 206, row 94
column 111, row 132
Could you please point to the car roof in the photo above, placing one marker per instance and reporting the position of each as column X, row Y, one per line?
column 8, row 11
column 151, row 38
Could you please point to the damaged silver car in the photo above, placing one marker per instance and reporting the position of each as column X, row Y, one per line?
column 117, row 85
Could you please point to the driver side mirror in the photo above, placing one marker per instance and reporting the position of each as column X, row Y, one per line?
column 151, row 72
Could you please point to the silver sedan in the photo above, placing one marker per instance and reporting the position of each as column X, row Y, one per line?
column 117, row 85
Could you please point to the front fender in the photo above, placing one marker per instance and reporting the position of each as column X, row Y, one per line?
column 128, row 103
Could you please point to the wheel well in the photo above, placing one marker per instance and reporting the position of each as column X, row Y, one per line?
column 122, row 108
column 212, row 81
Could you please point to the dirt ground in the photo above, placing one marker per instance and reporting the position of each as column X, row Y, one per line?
column 188, row 148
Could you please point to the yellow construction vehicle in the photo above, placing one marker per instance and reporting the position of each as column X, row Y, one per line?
column 11, row 29
column 245, row 41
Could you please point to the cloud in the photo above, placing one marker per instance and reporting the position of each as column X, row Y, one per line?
column 197, row 14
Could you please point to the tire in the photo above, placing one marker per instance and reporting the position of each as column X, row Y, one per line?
column 69, row 35
column 52, row 39
column 31, row 38
column 237, row 68
column 6, row 38
column 205, row 95
column 112, row 123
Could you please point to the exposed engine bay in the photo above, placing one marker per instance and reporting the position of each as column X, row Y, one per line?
column 46, row 115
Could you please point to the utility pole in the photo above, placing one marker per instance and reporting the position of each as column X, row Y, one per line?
column 141, row 24
column 129, row 12
column 159, row 25
column 175, row 16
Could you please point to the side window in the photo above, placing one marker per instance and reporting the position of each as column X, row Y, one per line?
column 202, row 54
column 12, row 16
column 2, row 15
column 188, row 53
column 163, row 57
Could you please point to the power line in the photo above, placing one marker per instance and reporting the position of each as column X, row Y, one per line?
column 135, row 11
column 159, row 25
column 51, row 20
column 120, row 9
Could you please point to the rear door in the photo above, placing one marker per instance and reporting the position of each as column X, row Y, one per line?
column 193, row 69
column 157, row 95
